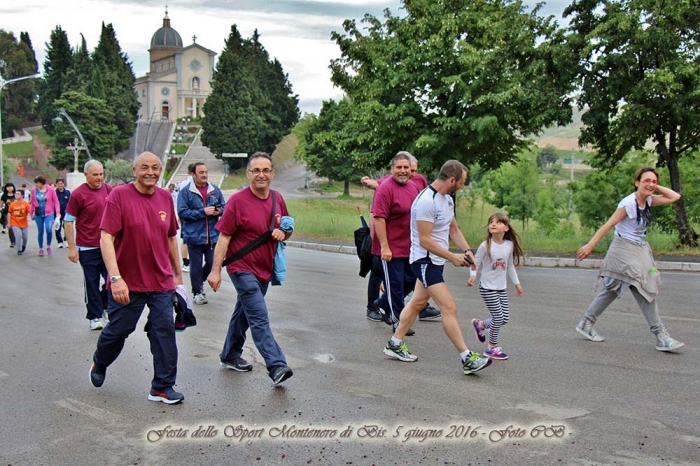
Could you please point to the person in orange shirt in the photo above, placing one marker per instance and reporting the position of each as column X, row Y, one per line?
column 18, row 213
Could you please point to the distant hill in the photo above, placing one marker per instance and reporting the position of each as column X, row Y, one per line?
column 563, row 137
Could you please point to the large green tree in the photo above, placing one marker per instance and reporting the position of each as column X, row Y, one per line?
column 639, row 73
column 462, row 79
column 516, row 187
column 16, row 60
column 117, row 77
column 95, row 120
column 251, row 107
column 325, row 142
column 59, row 57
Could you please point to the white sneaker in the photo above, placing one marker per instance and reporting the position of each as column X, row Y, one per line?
column 664, row 342
column 105, row 318
column 60, row 245
column 585, row 328
column 200, row 298
column 96, row 324
column 186, row 269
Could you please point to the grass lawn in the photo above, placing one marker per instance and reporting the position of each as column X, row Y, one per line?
column 337, row 219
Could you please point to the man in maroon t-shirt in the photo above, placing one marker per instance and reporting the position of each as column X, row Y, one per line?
column 391, row 208
column 140, row 250
column 82, row 223
column 246, row 217
column 374, row 313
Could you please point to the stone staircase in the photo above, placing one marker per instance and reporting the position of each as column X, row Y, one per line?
column 198, row 153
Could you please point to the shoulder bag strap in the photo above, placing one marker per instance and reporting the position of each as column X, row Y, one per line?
column 257, row 242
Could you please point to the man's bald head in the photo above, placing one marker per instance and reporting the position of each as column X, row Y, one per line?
column 145, row 157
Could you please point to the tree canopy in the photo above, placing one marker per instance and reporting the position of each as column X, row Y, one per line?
column 464, row 79
column 324, row 143
column 16, row 60
column 251, row 106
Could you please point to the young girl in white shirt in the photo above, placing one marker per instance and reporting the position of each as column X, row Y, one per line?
column 496, row 256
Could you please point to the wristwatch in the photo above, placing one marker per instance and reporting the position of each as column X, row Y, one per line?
column 115, row 278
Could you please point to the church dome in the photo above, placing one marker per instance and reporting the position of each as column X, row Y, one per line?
column 166, row 36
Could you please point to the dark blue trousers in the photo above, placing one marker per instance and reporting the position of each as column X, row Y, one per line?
column 201, row 258
column 399, row 281
column 374, row 281
column 251, row 312
column 160, row 329
column 94, row 269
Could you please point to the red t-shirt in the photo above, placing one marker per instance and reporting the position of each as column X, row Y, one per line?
column 87, row 206
column 246, row 217
column 141, row 225
column 392, row 202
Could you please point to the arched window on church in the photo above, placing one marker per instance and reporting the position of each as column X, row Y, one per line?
column 195, row 83
column 165, row 110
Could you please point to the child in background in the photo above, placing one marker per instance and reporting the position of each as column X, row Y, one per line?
column 18, row 213
column 496, row 256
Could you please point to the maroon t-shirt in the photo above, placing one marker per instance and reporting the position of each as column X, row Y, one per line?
column 392, row 202
column 246, row 217
column 87, row 206
column 141, row 225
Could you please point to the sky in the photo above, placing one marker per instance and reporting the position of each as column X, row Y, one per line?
column 295, row 32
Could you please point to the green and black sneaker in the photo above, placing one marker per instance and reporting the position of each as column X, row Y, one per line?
column 474, row 363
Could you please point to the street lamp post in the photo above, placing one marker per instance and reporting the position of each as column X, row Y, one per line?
column 3, row 83
column 75, row 179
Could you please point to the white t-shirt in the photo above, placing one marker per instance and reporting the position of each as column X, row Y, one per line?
column 431, row 206
column 634, row 226
column 494, row 268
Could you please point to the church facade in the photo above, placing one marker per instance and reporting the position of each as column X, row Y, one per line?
column 177, row 84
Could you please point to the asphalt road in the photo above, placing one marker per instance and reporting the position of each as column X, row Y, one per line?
column 566, row 400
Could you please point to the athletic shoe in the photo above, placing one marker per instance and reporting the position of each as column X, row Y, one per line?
column 19, row 252
column 97, row 375
column 96, row 324
column 374, row 316
column 200, row 298
column 3, row 231
column 495, row 353
column 585, row 328
column 41, row 252
column 474, row 363
column 429, row 313
column 478, row 325
column 399, row 352
column 60, row 245
column 664, row 342
column 280, row 373
column 186, row 268
column 410, row 332
column 104, row 318
column 48, row 250
column 12, row 245
column 24, row 248
column 238, row 364
column 386, row 318
column 168, row 396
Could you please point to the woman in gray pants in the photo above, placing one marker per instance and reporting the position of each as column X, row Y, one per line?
column 629, row 261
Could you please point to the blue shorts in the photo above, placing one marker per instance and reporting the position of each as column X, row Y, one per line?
column 428, row 273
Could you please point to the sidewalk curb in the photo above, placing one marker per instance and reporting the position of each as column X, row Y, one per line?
column 529, row 261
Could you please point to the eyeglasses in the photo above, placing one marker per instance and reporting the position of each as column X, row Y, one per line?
column 264, row 171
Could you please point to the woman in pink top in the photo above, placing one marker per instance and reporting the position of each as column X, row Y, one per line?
column 45, row 210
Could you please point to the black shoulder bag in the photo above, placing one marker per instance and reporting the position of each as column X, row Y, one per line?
column 257, row 242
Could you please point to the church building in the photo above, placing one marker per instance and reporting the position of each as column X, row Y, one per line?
column 178, row 83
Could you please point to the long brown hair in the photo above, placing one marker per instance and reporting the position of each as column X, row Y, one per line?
column 510, row 235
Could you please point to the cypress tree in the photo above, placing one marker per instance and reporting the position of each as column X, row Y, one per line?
column 59, row 58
